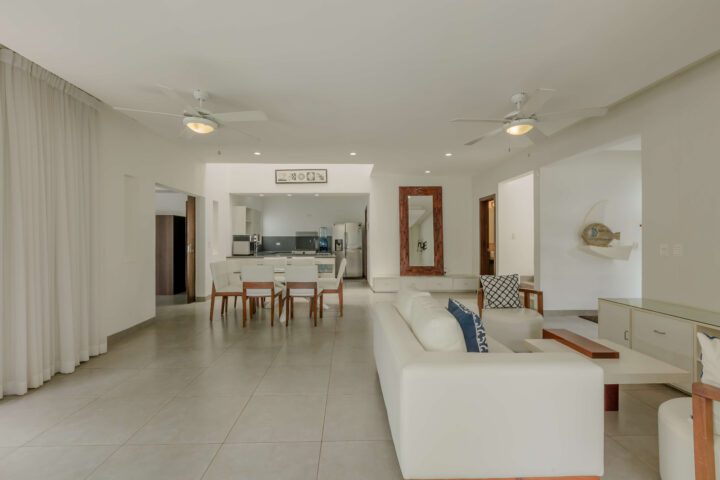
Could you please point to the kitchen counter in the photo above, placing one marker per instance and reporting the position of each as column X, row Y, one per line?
column 285, row 254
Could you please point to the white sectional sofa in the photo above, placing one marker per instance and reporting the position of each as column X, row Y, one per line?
column 455, row 414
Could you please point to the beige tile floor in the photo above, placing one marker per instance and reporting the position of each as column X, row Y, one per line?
column 184, row 399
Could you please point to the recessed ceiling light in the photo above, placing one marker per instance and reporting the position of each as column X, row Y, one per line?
column 262, row 194
column 427, row 171
column 448, row 154
column 257, row 153
column 317, row 194
column 289, row 194
column 352, row 154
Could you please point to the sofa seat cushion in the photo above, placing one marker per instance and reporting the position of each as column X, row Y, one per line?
column 404, row 300
column 435, row 328
column 512, row 326
column 471, row 326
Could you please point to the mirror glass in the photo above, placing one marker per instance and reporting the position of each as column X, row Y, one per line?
column 421, row 230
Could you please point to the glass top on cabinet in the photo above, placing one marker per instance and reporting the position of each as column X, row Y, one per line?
column 672, row 309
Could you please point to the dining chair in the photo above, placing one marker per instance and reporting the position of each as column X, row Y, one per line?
column 301, row 261
column 333, row 285
column 258, row 282
column 225, row 285
column 301, row 281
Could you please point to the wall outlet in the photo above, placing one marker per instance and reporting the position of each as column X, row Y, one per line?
column 664, row 250
column 677, row 250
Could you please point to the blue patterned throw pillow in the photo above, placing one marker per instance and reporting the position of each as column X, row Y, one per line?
column 471, row 326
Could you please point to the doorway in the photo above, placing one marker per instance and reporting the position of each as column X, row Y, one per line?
column 487, row 235
column 175, row 239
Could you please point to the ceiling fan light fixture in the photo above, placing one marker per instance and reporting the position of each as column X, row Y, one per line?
column 200, row 125
column 520, row 127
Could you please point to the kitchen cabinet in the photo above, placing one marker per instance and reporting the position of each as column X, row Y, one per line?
column 246, row 221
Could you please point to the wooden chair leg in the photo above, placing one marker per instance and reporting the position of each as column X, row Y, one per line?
column 321, row 305
column 292, row 307
column 287, row 310
column 315, row 310
column 244, row 307
column 212, row 305
column 272, row 311
column 235, row 305
column 340, row 297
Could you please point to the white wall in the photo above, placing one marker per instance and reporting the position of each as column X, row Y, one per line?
column 677, row 121
column 572, row 278
column 287, row 215
column 131, row 161
column 170, row 203
column 383, row 222
column 515, row 226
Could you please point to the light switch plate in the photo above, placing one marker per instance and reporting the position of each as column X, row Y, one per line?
column 677, row 250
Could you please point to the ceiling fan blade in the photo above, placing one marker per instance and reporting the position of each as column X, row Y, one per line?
column 246, row 116
column 489, row 134
column 476, row 120
column 172, row 94
column 233, row 127
column 536, row 101
column 571, row 114
column 535, row 135
column 135, row 110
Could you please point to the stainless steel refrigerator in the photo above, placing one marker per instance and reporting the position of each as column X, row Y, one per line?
column 347, row 243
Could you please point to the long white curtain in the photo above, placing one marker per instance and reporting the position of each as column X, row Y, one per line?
column 48, row 161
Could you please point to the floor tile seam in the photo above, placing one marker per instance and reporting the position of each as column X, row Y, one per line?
column 92, row 472
column 654, row 468
column 95, row 399
column 327, row 396
column 247, row 402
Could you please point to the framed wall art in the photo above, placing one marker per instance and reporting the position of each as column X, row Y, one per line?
column 312, row 175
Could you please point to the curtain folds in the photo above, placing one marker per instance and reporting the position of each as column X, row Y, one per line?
column 48, row 162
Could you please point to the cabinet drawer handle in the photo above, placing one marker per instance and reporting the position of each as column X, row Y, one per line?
column 626, row 335
column 659, row 332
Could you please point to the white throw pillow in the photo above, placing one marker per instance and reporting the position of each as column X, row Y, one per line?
column 710, row 358
column 435, row 328
column 404, row 300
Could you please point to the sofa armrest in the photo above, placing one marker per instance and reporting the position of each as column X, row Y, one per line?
column 486, row 416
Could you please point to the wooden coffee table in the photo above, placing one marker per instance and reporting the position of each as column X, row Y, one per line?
column 632, row 367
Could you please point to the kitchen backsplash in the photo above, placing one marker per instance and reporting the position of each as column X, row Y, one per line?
column 273, row 243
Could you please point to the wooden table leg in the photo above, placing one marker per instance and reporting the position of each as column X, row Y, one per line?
column 612, row 398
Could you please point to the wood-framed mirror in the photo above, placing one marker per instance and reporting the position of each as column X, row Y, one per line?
column 421, row 231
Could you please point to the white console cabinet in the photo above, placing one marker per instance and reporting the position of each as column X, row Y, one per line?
column 662, row 330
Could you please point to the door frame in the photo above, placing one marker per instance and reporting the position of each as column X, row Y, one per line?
column 190, row 247
column 484, row 237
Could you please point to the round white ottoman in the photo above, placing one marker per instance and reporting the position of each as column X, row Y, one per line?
column 511, row 326
column 675, row 441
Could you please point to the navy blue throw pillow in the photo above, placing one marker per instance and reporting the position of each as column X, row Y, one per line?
column 471, row 326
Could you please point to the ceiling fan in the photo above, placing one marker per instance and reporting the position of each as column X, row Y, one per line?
column 524, row 119
column 199, row 119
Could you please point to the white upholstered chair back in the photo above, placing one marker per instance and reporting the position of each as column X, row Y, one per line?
column 303, row 273
column 264, row 273
column 219, row 273
column 297, row 261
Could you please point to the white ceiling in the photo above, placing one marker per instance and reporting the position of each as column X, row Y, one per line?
column 378, row 77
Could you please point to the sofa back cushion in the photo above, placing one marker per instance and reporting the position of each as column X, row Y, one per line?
column 435, row 328
column 404, row 299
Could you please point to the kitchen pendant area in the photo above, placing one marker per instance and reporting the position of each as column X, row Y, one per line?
column 298, row 227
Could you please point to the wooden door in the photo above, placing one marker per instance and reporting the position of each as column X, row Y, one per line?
column 487, row 244
column 190, row 248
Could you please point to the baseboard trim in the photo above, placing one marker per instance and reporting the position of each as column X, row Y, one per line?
column 116, row 337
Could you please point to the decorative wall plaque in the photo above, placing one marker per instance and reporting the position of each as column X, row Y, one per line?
column 317, row 175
